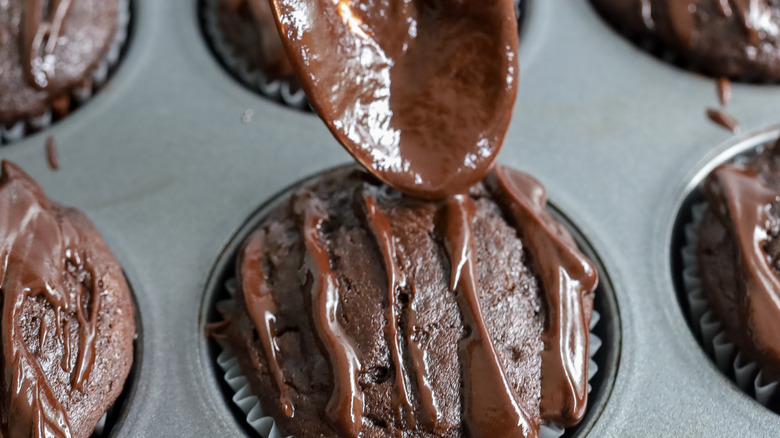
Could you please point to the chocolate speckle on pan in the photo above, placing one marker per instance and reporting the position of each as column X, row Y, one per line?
column 724, row 91
column 52, row 156
column 724, row 120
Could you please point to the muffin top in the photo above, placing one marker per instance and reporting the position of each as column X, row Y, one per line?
column 364, row 312
column 732, row 38
column 67, row 319
column 48, row 48
column 739, row 253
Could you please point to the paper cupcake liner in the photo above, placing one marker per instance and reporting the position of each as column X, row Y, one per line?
column 249, row 403
column 79, row 95
column 280, row 90
column 748, row 375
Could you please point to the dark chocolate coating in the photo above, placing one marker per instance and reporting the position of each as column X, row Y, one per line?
column 738, row 39
column 739, row 255
column 27, row 84
column 248, row 27
column 420, row 92
column 67, row 317
column 408, row 355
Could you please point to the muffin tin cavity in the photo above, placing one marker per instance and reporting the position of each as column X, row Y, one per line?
column 283, row 89
column 705, row 326
column 606, row 327
column 61, row 107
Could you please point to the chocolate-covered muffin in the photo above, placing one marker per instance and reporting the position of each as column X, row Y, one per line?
column 67, row 320
column 364, row 312
column 739, row 255
column 49, row 51
column 733, row 38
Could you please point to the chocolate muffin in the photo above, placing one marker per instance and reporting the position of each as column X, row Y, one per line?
column 49, row 51
column 244, row 35
column 361, row 311
column 68, row 321
column 730, row 38
column 739, row 255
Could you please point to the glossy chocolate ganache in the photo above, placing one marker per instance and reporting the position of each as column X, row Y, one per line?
column 365, row 312
column 739, row 255
column 733, row 38
column 419, row 92
column 47, row 49
column 67, row 323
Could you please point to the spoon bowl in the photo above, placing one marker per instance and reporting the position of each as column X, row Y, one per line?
column 418, row 91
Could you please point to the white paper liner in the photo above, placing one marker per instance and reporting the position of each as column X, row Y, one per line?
column 747, row 375
column 276, row 89
column 249, row 404
column 79, row 95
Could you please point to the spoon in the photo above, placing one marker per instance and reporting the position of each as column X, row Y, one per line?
column 418, row 91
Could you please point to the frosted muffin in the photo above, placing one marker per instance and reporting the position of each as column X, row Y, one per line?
column 68, row 322
column 364, row 312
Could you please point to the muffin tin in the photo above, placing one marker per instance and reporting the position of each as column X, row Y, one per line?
column 174, row 155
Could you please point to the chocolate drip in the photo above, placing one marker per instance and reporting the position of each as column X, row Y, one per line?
column 345, row 407
column 567, row 277
column 489, row 400
column 262, row 309
column 683, row 19
column 32, row 248
column 738, row 193
column 88, row 329
column 37, row 246
column 724, row 91
column 65, row 340
column 40, row 39
column 383, row 234
column 43, row 334
column 428, row 400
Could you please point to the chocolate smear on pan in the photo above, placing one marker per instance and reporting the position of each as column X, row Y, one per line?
column 52, row 156
column 722, row 119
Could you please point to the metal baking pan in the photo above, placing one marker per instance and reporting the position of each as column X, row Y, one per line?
column 168, row 171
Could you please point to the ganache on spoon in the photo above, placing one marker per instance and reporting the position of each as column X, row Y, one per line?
column 418, row 91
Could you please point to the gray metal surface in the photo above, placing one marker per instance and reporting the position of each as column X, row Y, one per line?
column 164, row 166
